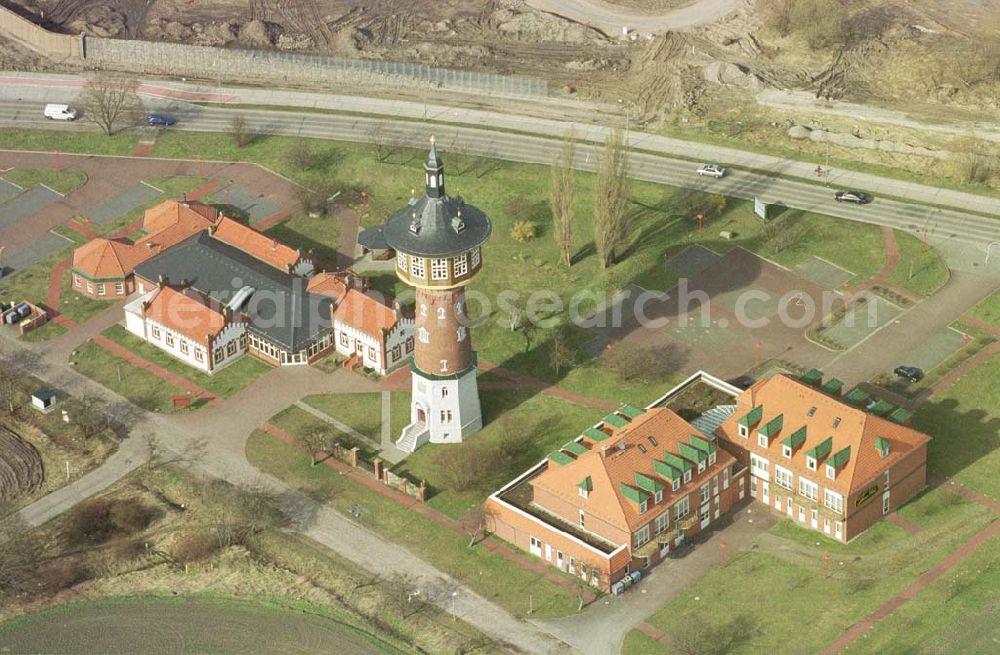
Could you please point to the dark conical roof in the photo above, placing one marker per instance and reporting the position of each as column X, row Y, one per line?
column 433, row 159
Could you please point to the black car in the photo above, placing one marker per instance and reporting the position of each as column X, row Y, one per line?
column 911, row 373
column 856, row 197
column 743, row 382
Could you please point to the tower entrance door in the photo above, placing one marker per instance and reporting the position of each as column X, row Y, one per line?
column 421, row 415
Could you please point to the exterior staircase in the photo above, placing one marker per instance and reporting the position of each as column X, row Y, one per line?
column 712, row 419
column 414, row 436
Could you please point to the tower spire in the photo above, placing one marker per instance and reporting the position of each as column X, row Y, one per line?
column 434, row 172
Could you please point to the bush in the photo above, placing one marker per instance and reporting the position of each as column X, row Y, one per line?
column 821, row 23
column 190, row 547
column 129, row 516
column 101, row 519
column 522, row 231
column 300, row 156
column 466, row 466
column 55, row 575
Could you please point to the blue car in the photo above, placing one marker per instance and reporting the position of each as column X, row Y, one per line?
column 162, row 120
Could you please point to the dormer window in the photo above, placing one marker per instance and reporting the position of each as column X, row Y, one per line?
column 831, row 472
column 701, row 466
column 786, row 451
column 642, row 449
column 584, row 493
column 711, row 459
column 652, row 440
column 675, row 484
column 687, row 475
column 659, row 497
column 761, row 440
column 811, row 463
column 643, row 506
column 836, row 421
column 744, row 432
column 812, row 410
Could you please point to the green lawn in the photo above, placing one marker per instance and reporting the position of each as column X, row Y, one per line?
column 548, row 423
column 964, row 420
column 920, row 271
column 490, row 575
column 776, row 595
column 297, row 421
column 223, row 383
column 32, row 284
column 361, row 411
column 988, row 310
column 63, row 181
column 143, row 388
column 71, row 140
column 399, row 412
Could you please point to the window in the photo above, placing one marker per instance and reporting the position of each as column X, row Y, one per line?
column 836, row 421
column 642, row 449
column 810, row 463
column 643, row 506
column 439, row 269
column 687, row 475
column 705, row 493
column 231, row 348
column 761, row 440
column 401, row 261
column 397, row 352
column 77, row 282
column 409, row 345
column 444, row 365
column 682, row 507
column 760, row 466
column 199, row 356
column 675, row 484
column 652, row 440
column 809, row 489
column 120, row 288
column 425, row 336
column 744, row 432
column 833, row 501
column 90, row 288
column 461, row 265
column 783, row 477
column 584, row 494
column 442, row 314
column 155, row 332
column 786, row 451
column 184, row 346
column 831, row 472
column 100, row 289
column 170, row 340
column 640, row 537
column 701, row 466
column 446, row 416
column 475, row 258
column 886, row 479
column 659, row 496
column 536, row 546
column 218, row 354
column 462, row 331
column 417, row 267
column 444, row 392
column 662, row 522
column 725, row 478
column 711, row 459
column 423, row 309
column 583, row 517
column 343, row 339
column 812, row 410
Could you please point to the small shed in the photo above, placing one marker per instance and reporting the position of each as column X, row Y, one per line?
column 43, row 398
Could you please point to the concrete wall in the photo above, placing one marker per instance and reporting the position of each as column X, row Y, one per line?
column 50, row 44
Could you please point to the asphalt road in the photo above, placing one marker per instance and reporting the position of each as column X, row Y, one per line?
column 611, row 19
column 941, row 225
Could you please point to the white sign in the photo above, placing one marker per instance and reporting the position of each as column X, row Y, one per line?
column 760, row 208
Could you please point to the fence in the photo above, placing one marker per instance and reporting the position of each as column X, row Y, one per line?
column 377, row 469
column 224, row 64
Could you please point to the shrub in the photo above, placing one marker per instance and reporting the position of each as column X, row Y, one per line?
column 101, row 519
column 57, row 574
column 522, row 231
column 300, row 156
column 190, row 547
column 129, row 516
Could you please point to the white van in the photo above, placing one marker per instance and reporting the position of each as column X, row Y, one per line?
column 60, row 113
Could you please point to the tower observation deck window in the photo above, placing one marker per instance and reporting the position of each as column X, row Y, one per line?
column 475, row 258
column 439, row 269
column 401, row 261
column 461, row 265
column 417, row 267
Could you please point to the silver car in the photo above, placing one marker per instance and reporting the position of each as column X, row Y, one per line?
column 712, row 170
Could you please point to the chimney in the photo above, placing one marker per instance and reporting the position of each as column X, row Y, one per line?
column 161, row 280
column 604, row 451
column 150, row 245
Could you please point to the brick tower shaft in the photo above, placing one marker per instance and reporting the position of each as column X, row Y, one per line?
column 444, row 346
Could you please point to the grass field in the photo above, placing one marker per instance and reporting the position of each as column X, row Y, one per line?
column 32, row 284
column 988, row 310
column 492, row 576
column 361, row 411
column 919, row 270
column 62, row 181
column 223, row 383
column 776, row 594
column 143, row 388
column 210, row 624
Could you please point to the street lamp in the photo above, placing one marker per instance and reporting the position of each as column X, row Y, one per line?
column 454, row 595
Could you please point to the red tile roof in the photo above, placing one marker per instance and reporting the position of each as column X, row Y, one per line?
column 365, row 314
column 173, row 212
column 857, row 429
column 331, row 285
column 107, row 258
column 187, row 312
column 256, row 244
column 628, row 451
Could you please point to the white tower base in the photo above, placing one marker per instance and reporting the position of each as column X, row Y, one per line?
column 444, row 409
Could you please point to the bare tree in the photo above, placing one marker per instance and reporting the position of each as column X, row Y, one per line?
column 88, row 415
column 406, row 596
column 315, row 440
column 699, row 634
column 476, row 524
column 10, row 387
column 19, row 551
column 241, row 511
column 385, row 141
column 240, row 132
column 561, row 355
column 611, row 197
column 562, row 199
column 465, row 466
column 110, row 100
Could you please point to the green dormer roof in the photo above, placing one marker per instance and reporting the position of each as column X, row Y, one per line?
column 575, row 448
column 795, row 439
column 820, row 451
column 882, row 407
column 677, row 462
column 702, row 444
column 882, row 445
column 832, row 386
column 752, row 417
column 615, row 421
column 651, row 485
column 842, row 457
column 595, row 435
column 900, row 416
column 586, row 484
column 690, row 452
column 773, row 426
column 633, row 494
column 857, row 397
column 561, row 458
column 666, row 470
column 630, row 411
column 812, row 376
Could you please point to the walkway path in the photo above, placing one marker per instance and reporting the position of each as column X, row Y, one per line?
column 349, row 223
column 388, row 452
column 610, row 18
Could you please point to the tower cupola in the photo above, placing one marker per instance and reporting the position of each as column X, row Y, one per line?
column 434, row 173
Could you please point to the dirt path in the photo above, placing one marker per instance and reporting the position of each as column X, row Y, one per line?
column 610, row 18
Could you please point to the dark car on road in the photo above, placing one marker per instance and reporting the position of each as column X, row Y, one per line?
column 857, row 197
column 160, row 120
column 911, row 373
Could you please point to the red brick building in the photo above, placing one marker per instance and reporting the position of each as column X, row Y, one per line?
column 822, row 462
column 620, row 496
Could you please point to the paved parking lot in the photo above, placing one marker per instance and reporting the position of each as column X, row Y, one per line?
column 116, row 207
column 31, row 201
column 254, row 206
column 28, row 254
column 8, row 190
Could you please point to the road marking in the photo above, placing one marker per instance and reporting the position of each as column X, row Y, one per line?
column 158, row 190
column 46, row 186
